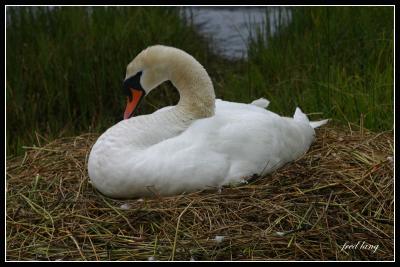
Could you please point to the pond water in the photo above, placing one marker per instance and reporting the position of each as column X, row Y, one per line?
column 230, row 27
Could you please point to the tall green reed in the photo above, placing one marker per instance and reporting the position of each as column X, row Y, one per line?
column 65, row 65
column 335, row 60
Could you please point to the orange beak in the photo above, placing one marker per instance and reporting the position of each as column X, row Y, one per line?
column 132, row 102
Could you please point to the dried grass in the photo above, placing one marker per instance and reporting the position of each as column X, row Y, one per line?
column 340, row 191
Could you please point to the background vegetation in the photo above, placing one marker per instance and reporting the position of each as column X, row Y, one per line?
column 65, row 66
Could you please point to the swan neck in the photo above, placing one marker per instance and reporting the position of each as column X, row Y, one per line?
column 197, row 97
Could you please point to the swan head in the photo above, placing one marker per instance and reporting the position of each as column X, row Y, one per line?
column 157, row 64
column 144, row 73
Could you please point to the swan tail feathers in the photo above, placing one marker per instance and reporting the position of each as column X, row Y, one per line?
column 316, row 124
column 262, row 102
column 301, row 117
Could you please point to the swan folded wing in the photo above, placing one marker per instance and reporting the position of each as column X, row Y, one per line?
column 183, row 165
column 261, row 102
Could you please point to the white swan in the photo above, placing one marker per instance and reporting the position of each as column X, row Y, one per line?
column 199, row 143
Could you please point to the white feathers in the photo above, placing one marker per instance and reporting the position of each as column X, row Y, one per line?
column 200, row 143
column 125, row 206
column 299, row 116
column 316, row 124
column 219, row 238
column 280, row 233
column 261, row 102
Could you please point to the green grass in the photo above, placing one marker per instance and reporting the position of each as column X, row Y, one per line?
column 65, row 67
column 334, row 60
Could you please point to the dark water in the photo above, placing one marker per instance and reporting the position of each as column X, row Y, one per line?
column 230, row 27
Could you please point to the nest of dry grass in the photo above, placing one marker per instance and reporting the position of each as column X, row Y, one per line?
column 340, row 192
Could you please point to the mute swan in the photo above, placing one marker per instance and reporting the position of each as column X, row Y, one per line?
column 199, row 143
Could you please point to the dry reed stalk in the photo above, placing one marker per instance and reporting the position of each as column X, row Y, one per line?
column 340, row 191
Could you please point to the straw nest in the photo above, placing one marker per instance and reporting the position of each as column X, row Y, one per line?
column 334, row 203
